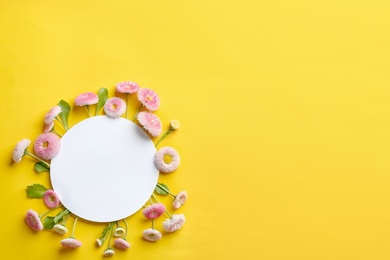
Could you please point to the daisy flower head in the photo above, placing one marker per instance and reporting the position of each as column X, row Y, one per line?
column 20, row 149
column 52, row 114
column 180, row 199
column 174, row 125
column 175, row 223
column 127, row 87
column 154, row 211
column 150, row 123
column 118, row 232
column 161, row 164
column 86, row 99
column 149, row 99
column 109, row 252
column 121, row 243
column 100, row 241
column 33, row 220
column 151, row 235
column 115, row 107
column 60, row 229
column 71, row 243
column 48, row 127
column 47, row 146
column 50, row 198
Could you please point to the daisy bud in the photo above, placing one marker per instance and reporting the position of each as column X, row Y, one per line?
column 60, row 229
column 174, row 125
column 71, row 243
column 109, row 252
column 100, row 241
column 121, row 243
column 119, row 232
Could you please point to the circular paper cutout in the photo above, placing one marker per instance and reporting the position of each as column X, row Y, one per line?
column 105, row 170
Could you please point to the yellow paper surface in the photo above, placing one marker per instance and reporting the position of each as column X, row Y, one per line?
column 284, row 112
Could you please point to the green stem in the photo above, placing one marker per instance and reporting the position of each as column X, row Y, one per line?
column 63, row 125
column 124, row 220
column 127, row 103
column 163, row 136
column 36, row 157
column 136, row 113
column 104, row 235
column 166, row 211
column 154, row 197
column 65, row 219
column 164, row 189
column 54, row 131
column 152, row 224
column 47, row 212
column 112, row 231
column 74, row 226
column 89, row 111
column 97, row 111
column 151, row 202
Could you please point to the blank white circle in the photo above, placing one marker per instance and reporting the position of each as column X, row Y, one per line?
column 105, row 170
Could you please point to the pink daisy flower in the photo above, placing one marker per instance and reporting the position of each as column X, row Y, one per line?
column 152, row 235
column 52, row 114
column 33, row 220
column 50, row 198
column 109, row 252
column 154, row 211
column 149, row 99
column 127, row 87
column 47, row 146
column 115, row 107
column 86, row 99
column 121, row 243
column 20, row 149
column 71, row 242
column 180, row 199
column 174, row 223
column 48, row 127
column 150, row 122
column 161, row 164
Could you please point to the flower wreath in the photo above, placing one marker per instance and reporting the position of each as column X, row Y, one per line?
column 48, row 145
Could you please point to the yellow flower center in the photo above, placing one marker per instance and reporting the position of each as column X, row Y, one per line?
column 167, row 159
column 149, row 97
column 45, row 144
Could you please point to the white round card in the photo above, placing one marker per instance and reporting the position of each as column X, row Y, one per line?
column 105, row 170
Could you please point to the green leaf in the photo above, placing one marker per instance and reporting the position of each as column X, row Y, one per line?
column 41, row 167
column 36, row 191
column 49, row 223
column 65, row 113
column 106, row 230
column 163, row 190
column 60, row 216
column 103, row 96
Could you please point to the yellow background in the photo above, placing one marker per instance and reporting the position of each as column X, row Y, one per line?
column 284, row 107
